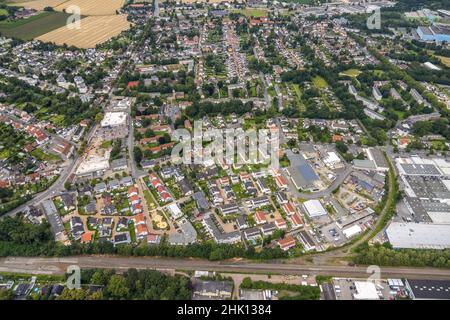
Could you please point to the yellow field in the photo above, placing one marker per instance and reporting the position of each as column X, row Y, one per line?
column 199, row 1
column 94, row 30
column 39, row 4
column 93, row 7
column 444, row 60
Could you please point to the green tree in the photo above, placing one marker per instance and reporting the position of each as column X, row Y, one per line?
column 117, row 287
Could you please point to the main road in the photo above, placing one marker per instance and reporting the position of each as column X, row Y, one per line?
column 59, row 266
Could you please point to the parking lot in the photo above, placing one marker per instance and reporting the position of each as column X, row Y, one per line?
column 332, row 234
column 344, row 289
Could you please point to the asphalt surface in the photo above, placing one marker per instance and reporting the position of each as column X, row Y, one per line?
column 59, row 266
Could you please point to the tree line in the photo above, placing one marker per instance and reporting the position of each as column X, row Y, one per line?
column 19, row 238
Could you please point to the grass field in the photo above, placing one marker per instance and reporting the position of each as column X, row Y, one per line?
column 353, row 73
column 320, row 82
column 256, row 13
column 33, row 27
column 93, row 30
column 3, row 12
column 40, row 155
column 378, row 72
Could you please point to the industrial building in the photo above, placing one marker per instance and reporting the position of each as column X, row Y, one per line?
column 419, row 235
column 428, row 289
column 314, row 208
column 436, row 32
column 301, row 173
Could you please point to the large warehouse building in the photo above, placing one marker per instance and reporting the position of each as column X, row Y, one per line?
column 428, row 289
column 314, row 208
column 419, row 235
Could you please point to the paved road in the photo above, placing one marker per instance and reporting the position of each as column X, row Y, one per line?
column 59, row 265
column 58, row 185
column 54, row 189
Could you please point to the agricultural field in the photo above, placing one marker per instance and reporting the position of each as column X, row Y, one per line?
column 209, row 1
column 38, row 4
column 94, row 30
column 34, row 26
column 93, row 8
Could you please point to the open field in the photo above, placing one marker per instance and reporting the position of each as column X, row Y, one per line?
column 94, row 30
column 444, row 60
column 35, row 26
column 320, row 82
column 256, row 13
column 200, row 1
column 38, row 4
column 93, row 8
column 353, row 73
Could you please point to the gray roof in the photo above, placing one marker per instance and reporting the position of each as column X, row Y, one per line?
column 419, row 235
column 217, row 234
column 301, row 171
column 379, row 158
column 202, row 202
column 100, row 186
column 429, row 289
column 364, row 164
column 252, row 232
column 53, row 216
column 186, row 236
column 185, row 186
column 420, row 169
column 118, row 163
column 207, row 287
column 126, row 180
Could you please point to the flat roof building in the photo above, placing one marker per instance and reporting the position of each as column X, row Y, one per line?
column 314, row 208
column 419, row 235
column 428, row 289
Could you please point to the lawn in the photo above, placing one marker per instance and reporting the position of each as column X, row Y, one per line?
column 255, row 13
column 40, row 155
column 4, row 154
column 320, row 82
column 378, row 72
column 3, row 12
column 352, row 73
column 34, row 26
column 57, row 120
column 106, row 144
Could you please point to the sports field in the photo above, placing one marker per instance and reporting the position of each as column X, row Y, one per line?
column 34, row 26
column 93, row 30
